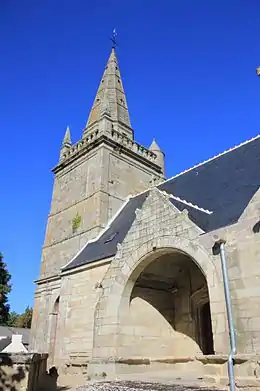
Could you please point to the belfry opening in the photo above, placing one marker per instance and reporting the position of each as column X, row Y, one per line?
column 169, row 309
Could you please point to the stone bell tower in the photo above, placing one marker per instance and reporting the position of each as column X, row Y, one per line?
column 94, row 176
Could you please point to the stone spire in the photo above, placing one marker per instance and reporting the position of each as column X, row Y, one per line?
column 154, row 147
column 66, row 143
column 67, row 137
column 111, row 100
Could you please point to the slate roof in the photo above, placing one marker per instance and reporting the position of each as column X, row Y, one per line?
column 199, row 217
column 9, row 331
column 224, row 185
column 4, row 342
column 106, row 245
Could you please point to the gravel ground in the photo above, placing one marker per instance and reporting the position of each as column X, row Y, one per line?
column 138, row 386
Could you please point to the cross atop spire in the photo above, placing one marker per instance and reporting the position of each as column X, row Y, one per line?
column 113, row 39
column 110, row 99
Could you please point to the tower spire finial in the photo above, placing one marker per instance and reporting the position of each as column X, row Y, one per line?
column 67, row 137
column 110, row 98
column 66, row 144
column 113, row 39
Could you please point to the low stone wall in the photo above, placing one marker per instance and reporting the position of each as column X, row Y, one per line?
column 210, row 369
column 21, row 371
column 74, row 372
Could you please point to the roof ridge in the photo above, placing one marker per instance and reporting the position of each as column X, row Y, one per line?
column 188, row 203
column 145, row 190
column 212, row 158
column 141, row 192
column 110, row 221
column 209, row 212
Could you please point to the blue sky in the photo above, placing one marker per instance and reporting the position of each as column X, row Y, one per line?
column 188, row 69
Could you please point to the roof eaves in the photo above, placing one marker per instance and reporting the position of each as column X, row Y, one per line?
column 89, row 265
column 185, row 202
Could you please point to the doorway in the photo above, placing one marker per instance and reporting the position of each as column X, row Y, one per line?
column 206, row 329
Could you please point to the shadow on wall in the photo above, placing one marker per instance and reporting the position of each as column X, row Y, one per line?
column 49, row 381
column 169, row 310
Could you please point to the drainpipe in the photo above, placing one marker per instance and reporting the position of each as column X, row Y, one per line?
column 232, row 337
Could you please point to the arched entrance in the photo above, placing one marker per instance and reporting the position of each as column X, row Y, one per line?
column 53, row 330
column 113, row 333
column 168, row 310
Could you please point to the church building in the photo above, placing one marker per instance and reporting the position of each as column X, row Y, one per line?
column 129, row 276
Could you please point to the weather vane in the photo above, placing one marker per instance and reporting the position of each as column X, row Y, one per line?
column 113, row 39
